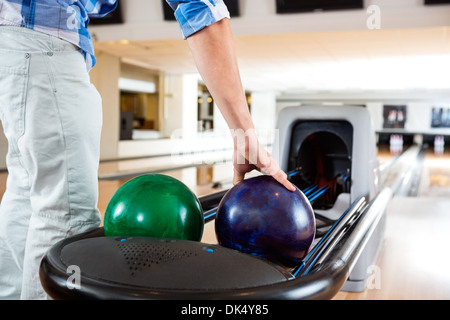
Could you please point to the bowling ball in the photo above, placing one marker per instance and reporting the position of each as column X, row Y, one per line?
column 154, row 205
column 261, row 217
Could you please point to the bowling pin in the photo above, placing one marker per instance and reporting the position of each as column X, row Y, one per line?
column 439, row 145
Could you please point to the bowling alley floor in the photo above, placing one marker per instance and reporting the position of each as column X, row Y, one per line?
column 414, row 260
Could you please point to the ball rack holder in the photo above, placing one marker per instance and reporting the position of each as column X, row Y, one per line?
column 149, row 268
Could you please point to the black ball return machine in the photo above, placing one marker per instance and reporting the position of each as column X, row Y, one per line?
column 329, row 153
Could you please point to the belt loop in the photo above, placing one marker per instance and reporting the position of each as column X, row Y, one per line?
column 52, row 43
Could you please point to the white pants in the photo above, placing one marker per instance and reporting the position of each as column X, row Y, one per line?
column 51, row 116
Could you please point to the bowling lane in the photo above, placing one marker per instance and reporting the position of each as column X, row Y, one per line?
column 115, row 169
column 435, row 178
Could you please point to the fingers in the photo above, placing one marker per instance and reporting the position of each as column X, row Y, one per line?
column 281, row 177
column 273, row 170
column 249, row 155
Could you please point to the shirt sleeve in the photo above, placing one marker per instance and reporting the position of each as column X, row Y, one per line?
column 100, row 8
column 194, row 15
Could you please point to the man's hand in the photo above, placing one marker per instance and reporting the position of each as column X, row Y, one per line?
column 250, row 155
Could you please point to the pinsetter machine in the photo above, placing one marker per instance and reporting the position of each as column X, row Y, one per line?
column 329, row 153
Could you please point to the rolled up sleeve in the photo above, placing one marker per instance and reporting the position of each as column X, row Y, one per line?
column 194, row 15
column 100, row 8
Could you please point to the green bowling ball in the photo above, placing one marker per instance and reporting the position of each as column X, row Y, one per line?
column 154, row 205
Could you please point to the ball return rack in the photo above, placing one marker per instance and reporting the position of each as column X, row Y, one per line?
column 148, row 268
column 349, row 217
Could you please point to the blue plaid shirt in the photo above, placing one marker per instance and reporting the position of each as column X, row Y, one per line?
column 69, row 19
column 194, row 15
column 65, row 19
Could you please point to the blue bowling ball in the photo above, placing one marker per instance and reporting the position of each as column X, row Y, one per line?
column 261, row 217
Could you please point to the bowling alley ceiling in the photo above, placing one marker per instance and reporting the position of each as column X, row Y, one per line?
column 392, row 59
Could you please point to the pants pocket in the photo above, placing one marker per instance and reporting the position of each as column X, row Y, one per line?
column 14, row 67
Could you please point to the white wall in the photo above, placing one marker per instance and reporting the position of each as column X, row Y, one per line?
column 263, row 108
column 180, row 104
column 264, row 115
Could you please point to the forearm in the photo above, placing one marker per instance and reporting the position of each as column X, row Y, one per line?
column 215, row 57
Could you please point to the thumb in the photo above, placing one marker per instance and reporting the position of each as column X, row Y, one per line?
column 237, row 177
